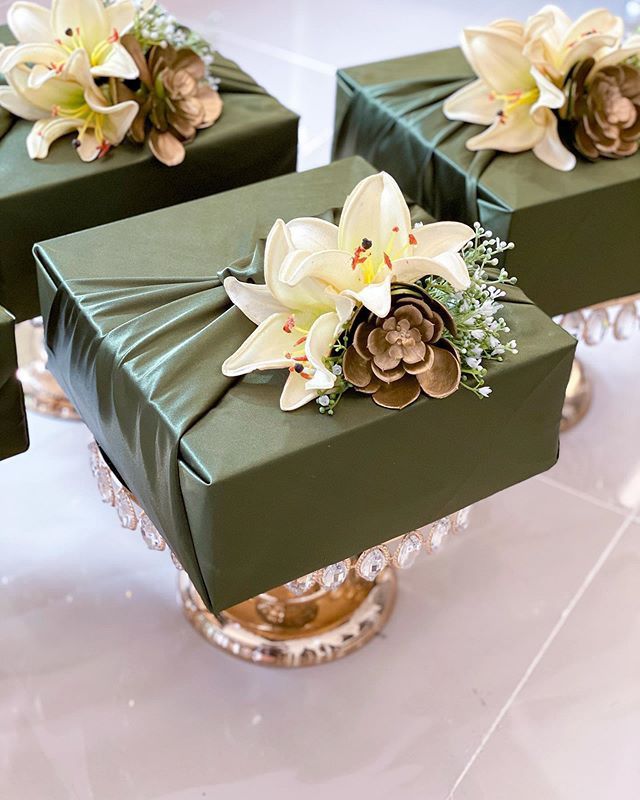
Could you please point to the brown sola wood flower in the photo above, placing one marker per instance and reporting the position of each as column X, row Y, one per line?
column 605, row 108
column 397, row 357
column 173, row 98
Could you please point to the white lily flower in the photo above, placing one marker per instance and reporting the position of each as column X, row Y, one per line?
column 554, row 44
column 511, row 96
column 70, row 101
column 49, row 37
column 373, row 246
column 297, row 325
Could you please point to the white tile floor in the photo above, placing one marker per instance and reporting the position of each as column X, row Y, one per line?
column 510, row 668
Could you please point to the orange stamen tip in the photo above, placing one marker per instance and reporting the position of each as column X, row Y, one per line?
column 305, row 375
column 300, row 341
column 395, row 229
column 289, row 325
column 412, row 239
column 115, row 37
column 387, row 261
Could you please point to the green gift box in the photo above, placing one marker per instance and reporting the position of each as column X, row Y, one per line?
column 575, row 233
column 248, row 496
column 255, row 138
column 14, row 438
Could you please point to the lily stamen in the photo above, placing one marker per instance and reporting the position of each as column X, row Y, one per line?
column 515, row 99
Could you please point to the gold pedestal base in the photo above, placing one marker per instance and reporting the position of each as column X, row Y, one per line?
column 42, row 392
column 278, row 629
column 577, row 399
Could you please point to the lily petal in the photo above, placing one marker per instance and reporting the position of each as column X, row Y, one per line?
column 512, row 133
column 450, row 266
column 374, row 296
column 473, row 103
column 295, row 394
column 550, row 149
column 585, row 48
column 280, row 259
column 320, row 341
column 329, row 266
column 87, row 18
column 551, row 22
column 117, row 64
column 30, row 53
column 497, row 59
column 441, row 237
column 39, row 75
column 510, row 27
column 312, row 234
column 30, row 22
column 46, row 131
column 255, row 301
column 18, row 105
column 264, row 349
column 121, row 16
column 117, row 119
column 373, row 209
column 344, row 305
column 594, row 23
column 550, row 95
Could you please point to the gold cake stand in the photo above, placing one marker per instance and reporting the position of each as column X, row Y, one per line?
column 42, row 392
column 320, row 617
column 278, row 629
column 590, row 325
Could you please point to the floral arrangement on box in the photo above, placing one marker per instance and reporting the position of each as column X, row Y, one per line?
column 106, row 71
column 553, row 86
column 374, row 305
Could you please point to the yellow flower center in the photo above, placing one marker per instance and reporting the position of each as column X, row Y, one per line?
column 90, row 120
column 515, row 99
column 75, row 41
column 370, row 266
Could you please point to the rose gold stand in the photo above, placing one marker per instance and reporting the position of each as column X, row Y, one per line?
column 42, row 391
column 277, row 629
column 577, row 400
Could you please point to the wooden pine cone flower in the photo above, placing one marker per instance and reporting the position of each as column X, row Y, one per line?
column 397, row 357
column 606, row 110
column 173, row 98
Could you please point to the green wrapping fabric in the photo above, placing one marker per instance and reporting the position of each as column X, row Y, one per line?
column 248, row 496
column 575, row 233
column 255, row 138
column 14, row 438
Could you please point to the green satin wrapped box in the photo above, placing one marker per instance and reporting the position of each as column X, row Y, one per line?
column 255, row 138
column 248, row 496
column 14, row 438
column 575, row 233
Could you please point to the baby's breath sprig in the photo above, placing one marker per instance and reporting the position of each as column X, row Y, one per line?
column 480, row 331
column 327, row 401
column 159, row 27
